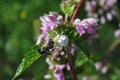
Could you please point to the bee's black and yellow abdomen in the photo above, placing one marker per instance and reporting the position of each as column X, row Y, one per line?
column 47, row 49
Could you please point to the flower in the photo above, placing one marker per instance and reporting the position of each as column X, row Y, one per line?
column 103, row 68
column 58, row 73
column 68, row 66
column 84, row 78
column 88, row 26
column 117, row 33
column 51, row 65
column 73, row 48
column 102, row 9
column 90, row 5
column 40, row 39
column 49, row 22
column 79, row 27
column 111, row 3
column 47, row 76
column 98, row 65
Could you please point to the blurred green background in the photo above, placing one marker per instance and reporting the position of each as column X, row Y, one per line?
column 19, row 27
column 18, row 20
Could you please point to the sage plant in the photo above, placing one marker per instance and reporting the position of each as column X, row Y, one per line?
column 59, row 41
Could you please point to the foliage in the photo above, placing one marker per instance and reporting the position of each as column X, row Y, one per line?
column 30, row 57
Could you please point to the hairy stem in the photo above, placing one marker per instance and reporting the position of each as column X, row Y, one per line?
column 72, row 69
column 79, row 5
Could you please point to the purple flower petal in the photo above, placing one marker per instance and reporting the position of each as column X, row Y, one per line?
column 117, row 33
column 58, row 73
column 49, row 22
column 73, row 48
column 88, row 26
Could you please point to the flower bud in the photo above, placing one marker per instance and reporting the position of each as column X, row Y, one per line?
column 40, row 39
column 47, row 76
column 63, row 40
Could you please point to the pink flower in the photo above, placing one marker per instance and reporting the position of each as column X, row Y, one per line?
column 73, row 48
column 117, row 33
column 98, row 65
column 68, row 66
column 111, row 3
column 49, row 22
column 88, row 26
column 58, row 73
column 102, row 9
column 90, row 5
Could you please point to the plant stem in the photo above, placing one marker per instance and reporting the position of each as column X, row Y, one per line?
column 72, row 69
column 65, row 20
column 79, row 5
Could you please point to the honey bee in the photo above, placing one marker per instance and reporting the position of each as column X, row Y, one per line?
column 48, row 48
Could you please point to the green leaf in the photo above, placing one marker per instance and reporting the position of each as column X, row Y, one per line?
column 92, row 64
column 68, row 7
column 68, row 10
column 86, row 56
column 30, row 57
column 81, row 60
